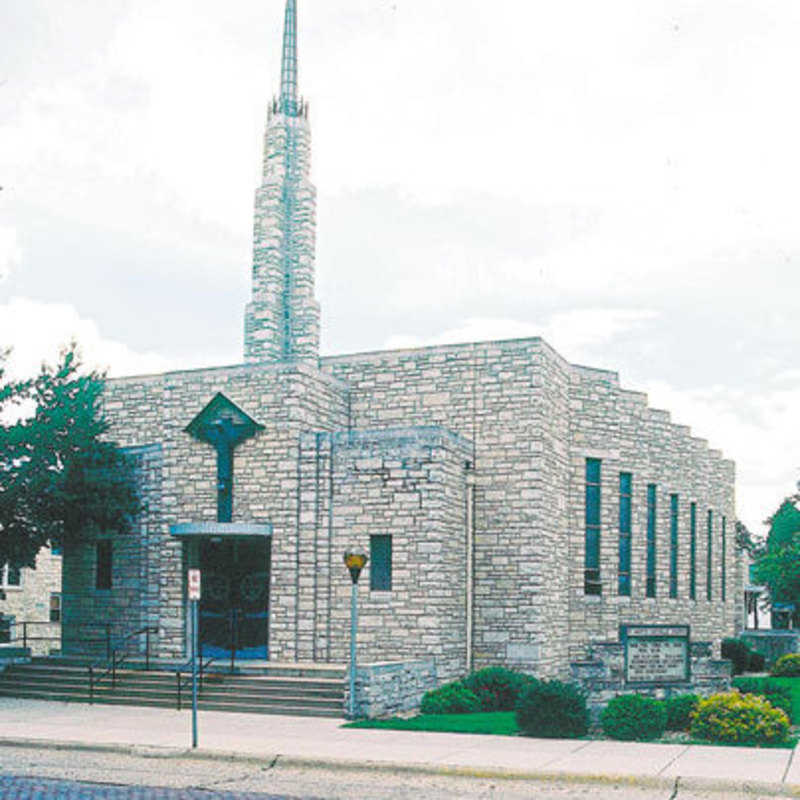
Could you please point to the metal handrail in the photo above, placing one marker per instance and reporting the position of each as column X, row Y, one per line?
column 118, row 658
column 25, row 638
column 185, row 668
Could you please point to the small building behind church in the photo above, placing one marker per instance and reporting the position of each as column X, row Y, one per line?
column 515, row 507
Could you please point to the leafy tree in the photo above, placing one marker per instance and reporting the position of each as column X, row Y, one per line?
column 778, row 561
column 60, row 480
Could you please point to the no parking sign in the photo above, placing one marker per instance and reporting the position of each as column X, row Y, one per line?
column 194, row 584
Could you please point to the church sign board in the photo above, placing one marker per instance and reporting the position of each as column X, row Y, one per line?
column 656, row 654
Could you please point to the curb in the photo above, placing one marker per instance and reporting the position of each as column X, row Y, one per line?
column 714, row 785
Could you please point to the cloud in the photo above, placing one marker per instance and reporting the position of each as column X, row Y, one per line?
column 36, row 332
column 10, row 251
column 575, row 334
column 756, row 427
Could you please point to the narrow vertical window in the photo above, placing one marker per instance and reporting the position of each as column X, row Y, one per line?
column 724, row 552
column 693, row 551
column 625, row 488
column 103, row 570
column 651, row 540
column 591, row 571
column 709, row 534
column 673, row 545
column 380, row 560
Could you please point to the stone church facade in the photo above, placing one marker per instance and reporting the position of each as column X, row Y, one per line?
column 515, row 507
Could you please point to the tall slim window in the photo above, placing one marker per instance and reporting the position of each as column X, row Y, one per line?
column 625, row 487
column 102, row 579
column 693, row 551
column 724, row 551
column 651, row 540
column 709, row 534
column 380, row 563
column 673, row 545
column 591, row 569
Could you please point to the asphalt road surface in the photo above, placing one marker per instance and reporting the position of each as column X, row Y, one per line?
column 44, row 774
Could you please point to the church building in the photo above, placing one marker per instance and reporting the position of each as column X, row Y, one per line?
column 515, row 507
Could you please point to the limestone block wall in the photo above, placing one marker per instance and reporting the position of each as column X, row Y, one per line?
column 133, row 602
column 30, row 602
column 618, row 427
column 409, row 483
column 286, row 399
column 510, row 400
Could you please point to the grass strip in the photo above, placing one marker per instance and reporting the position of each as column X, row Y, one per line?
column 498, row 723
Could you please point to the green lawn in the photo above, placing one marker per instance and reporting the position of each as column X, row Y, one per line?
column 497, row 722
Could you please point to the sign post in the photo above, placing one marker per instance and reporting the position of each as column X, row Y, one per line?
column 354, row 562
column 194, row 597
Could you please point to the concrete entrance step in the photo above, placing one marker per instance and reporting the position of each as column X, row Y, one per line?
column 276, row 691
column 291, row 669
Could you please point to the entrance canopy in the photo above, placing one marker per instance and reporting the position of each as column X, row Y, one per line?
column 221, row 529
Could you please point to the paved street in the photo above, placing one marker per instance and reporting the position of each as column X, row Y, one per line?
column 13, row 788
column 68, row 775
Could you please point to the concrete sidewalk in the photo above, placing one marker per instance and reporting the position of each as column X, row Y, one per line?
column 323, row 741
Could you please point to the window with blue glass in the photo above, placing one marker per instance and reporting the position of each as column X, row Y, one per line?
column 380, row 563
column 709, row 535
column 625, row 492
column 591, row 568
column 724, row 551
column 693, row 551
column 673, row 545
column 650, row 589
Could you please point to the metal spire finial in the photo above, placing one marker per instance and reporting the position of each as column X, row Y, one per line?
column 288, row 101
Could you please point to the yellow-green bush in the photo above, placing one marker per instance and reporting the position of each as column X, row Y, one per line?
column 739, row 718
column 787, row 666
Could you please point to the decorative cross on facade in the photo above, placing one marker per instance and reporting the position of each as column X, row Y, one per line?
column 224, row 426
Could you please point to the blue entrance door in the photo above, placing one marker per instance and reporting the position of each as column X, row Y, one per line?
column 234, row 608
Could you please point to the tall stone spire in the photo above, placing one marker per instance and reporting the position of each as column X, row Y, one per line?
column 282, row 319
column 288, row 99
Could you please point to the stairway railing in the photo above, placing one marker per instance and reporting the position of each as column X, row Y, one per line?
column 119, row 655
column 26, row 636
column 186, row 681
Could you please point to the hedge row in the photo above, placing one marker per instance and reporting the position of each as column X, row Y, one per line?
column 759, row 712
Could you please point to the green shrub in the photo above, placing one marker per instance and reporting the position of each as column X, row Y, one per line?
column 452, row 698
column 776, row 695
column 738, row 651
column 634, row 717
column 756, row 662
column 552, row 710
column 739, row 718
column 497, row 688
column 679, row 711
column 787, row 666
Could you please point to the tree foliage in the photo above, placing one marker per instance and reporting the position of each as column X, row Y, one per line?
column 777, row 562
column 60, row 480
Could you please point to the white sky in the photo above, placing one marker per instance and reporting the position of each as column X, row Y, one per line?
column 619, row 177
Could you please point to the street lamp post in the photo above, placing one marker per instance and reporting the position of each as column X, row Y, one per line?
column 354, row 562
